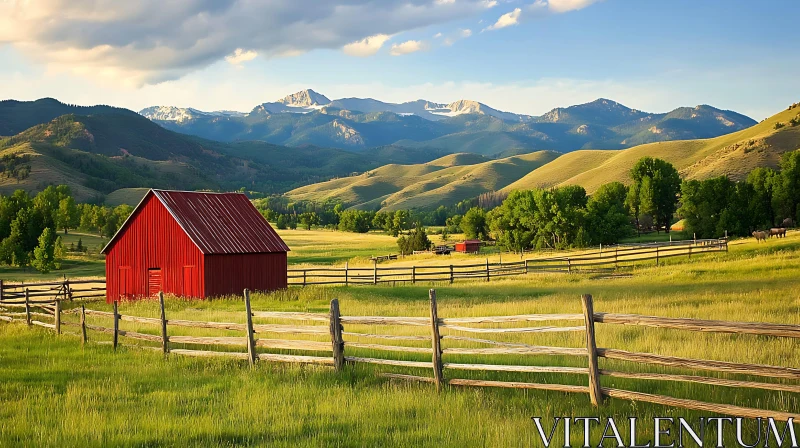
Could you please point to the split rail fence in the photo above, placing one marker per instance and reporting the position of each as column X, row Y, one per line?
column 613, row 257
column 345, row 339
column 610, row 258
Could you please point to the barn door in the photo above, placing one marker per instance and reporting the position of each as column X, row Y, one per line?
column 154, row 281
column 124, row 282
column 189, row 281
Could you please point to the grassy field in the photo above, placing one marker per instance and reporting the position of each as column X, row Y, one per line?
column 54, row 393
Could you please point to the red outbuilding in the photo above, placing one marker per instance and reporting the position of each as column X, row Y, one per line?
column 468, row 246
column 194, row 244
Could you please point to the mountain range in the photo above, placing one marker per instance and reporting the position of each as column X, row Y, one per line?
column 457, row 177
column 109, row 152
column 97, row 150
column 357, row 124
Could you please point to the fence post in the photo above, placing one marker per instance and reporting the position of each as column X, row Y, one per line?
column 375, row 271
column 436, row 342
column 27, row 307
column 656, row 255
column 251, row 343
column 164, row 337
column 304, row 278
column 601, row 251
column 67, row 291
column 1, row 291
column 569, row 266
column 346, row 273
column 451, row 274
column 487, row 270
column 616, row 252
column 591, row 346
column 690, row 251
column 83, row 325
column 336, row 335
column 116, row 325
column 526, row 266
column 58, row 317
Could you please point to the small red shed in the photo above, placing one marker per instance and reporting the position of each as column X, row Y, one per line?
column 469, row 246
column 194, row 244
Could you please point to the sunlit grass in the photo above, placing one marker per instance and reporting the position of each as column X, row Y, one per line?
column 55, row 393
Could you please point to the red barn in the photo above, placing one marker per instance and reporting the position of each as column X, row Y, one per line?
column 469, row 246
column 194, row 245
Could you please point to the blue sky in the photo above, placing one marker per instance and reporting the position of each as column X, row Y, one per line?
column 654, row 56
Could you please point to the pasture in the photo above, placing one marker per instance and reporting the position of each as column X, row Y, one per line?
column 55, row 393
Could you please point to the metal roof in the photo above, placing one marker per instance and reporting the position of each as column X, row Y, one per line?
column 218, row 223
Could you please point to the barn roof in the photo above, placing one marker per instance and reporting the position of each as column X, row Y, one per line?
column 218, row 223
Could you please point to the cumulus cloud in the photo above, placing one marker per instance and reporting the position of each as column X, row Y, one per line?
column 240, row 56
column 489, row 3
column 507, row 19
column 559, row 6
column 150, row 41
column 539, row 8
column 366, row 46
column 407, row 47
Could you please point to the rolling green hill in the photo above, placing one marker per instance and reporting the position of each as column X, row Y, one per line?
column 443, row 182
column 100, row 153
column 733, row 155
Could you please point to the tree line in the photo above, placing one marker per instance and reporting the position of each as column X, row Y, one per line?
column 29, row 225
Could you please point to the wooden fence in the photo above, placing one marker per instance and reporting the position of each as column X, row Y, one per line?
column 85, row 290
column 608, row 258
column 342, row 347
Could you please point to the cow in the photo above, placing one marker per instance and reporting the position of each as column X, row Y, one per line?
column 760, row 235
column 788, row 222
column 779, row 232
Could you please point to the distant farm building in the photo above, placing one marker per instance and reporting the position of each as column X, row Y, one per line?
column 678, row 226
column 468, row 246
column 194, row 245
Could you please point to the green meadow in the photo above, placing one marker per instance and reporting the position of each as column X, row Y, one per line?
column 55, row 393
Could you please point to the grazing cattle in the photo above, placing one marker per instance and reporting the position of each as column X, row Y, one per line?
column 760, row 235
column 779, row 232
column 788, row 222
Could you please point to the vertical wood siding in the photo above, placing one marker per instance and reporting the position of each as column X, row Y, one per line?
column 153, row 239
column 227, row 274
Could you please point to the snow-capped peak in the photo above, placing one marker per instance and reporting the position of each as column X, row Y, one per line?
column 181, row 114
column 305, row 98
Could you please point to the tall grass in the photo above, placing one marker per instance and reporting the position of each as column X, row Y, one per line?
column 54, row 393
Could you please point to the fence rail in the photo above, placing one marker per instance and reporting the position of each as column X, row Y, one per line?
column 610, row 257
column 327, row 343
column 95, row 290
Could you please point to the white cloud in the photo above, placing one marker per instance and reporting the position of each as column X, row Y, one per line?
column 437, row 35
column 151, row 41
column 366, row 46
column 489, row 3
column 507, row 19
column 240, row 56
column 559, row 6
column 407, row 47
column 456, row 36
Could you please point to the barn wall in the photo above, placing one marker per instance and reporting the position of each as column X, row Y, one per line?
column 231, row 274
column 153, row 239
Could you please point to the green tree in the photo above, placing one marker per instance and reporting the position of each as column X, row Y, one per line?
column 281, row 222
column 608, row 216
column 400, row 222
column 355, row 221
column 474, row 224
column 308, row 220
column 68, row 216
column 417, row 240
column 44, row 254
column 656, row 184
column 763, row 182
column 786, row 187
